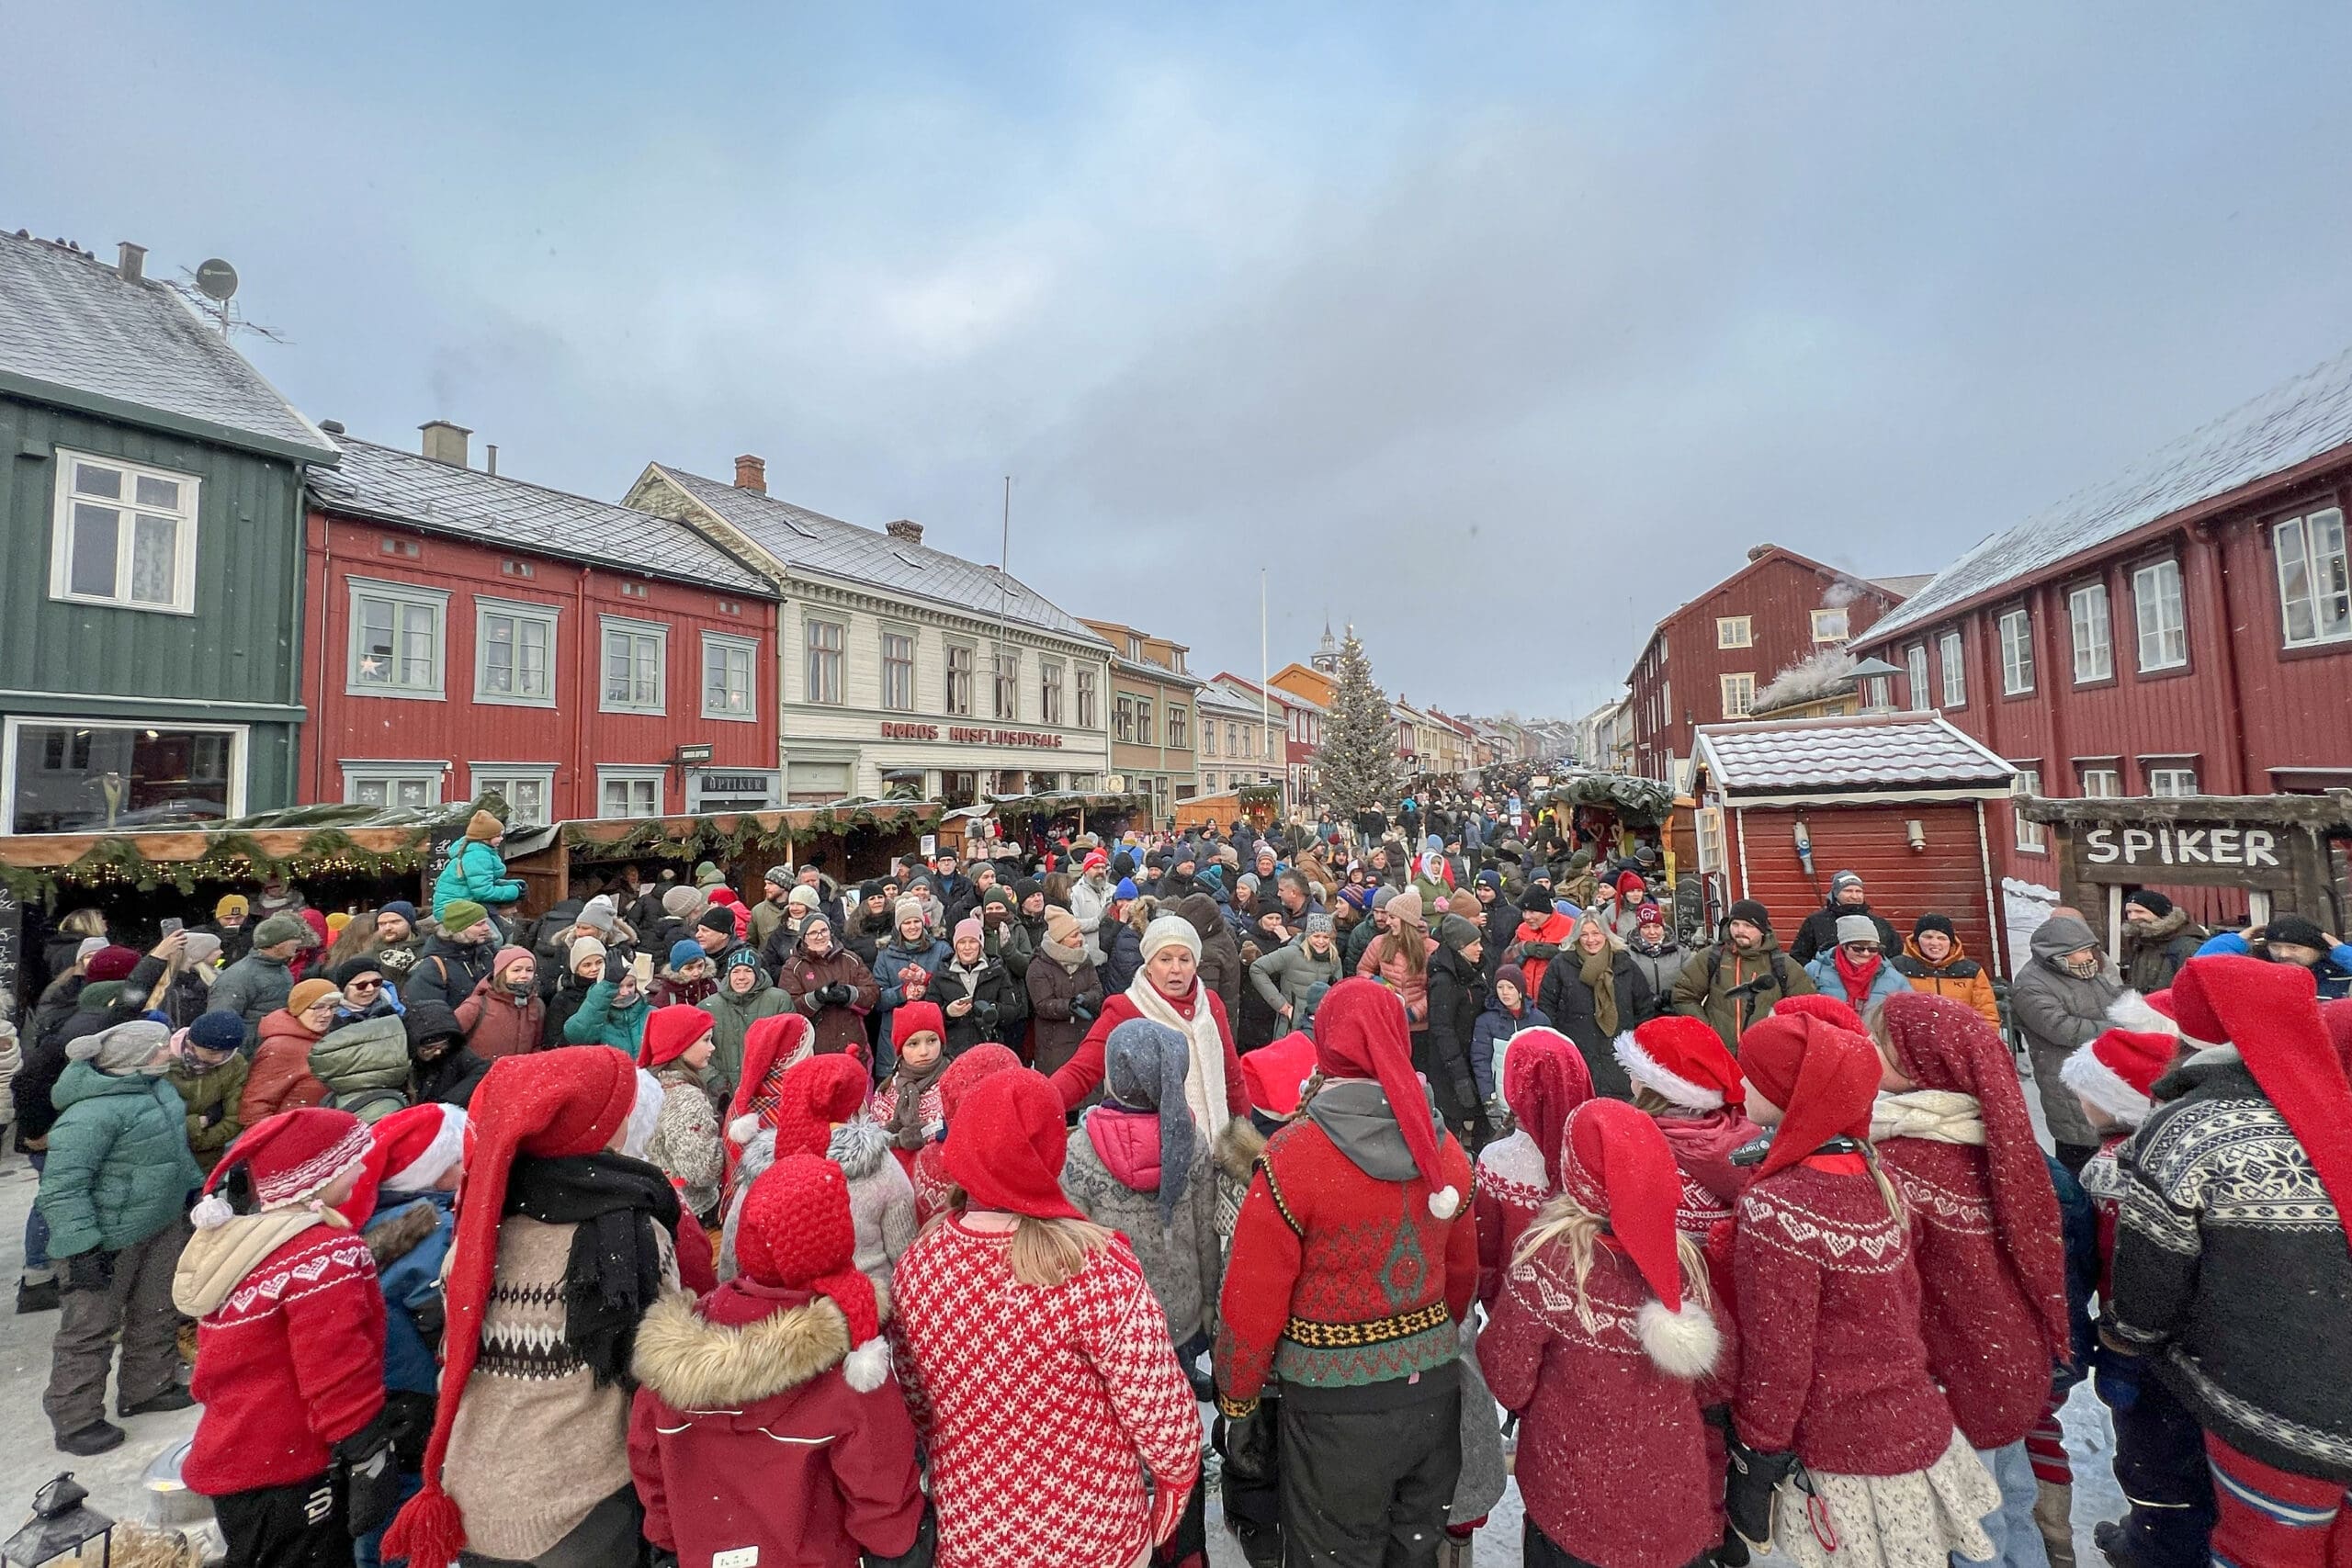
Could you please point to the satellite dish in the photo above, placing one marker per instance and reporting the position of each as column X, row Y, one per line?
column 217, row 280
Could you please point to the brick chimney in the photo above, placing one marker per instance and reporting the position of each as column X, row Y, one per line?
column 910, row 532
column 133, row 266
column 444, row 442
column 752, row 474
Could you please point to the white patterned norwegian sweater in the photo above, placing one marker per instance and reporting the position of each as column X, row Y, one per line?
column 1059, row 1425
column 1507, row 1189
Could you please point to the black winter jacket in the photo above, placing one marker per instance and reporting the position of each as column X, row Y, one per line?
column 1568, row 1001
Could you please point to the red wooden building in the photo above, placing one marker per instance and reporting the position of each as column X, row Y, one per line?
column 2185, row 629
column 1784, row 805
column 466, row 631
column 1705, row 662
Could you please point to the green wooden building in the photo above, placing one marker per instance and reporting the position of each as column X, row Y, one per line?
column 151, row 554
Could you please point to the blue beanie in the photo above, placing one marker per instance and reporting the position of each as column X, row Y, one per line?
column 218, row 1030
column 400, row 907
column 684, row 951
column 1125, row 889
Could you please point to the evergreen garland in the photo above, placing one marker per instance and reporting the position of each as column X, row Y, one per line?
column 1356, row 764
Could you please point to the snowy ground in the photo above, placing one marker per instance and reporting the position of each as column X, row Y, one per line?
column 28, row 1457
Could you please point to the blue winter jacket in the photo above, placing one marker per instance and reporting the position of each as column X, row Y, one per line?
column 892, row 962
column 1493, row 1027
column 477, row 872
column 1887, row 982
column 2334, row 973
column 411, row 1281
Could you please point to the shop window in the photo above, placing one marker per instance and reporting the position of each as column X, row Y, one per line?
column 74, row 777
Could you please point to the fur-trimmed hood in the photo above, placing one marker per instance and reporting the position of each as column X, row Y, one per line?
column 1239, row 1144
column 858, row 1146
column 694, row 1363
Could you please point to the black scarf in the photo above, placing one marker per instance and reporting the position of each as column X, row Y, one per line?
column 613, row 1274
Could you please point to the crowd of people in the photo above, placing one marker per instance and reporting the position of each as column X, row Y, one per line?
column 932, row 1218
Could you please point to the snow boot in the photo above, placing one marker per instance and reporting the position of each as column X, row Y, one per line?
column 36, row 1296
column 96, row 1438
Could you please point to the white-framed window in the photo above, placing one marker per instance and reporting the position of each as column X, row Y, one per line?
column 730, row 684
column 1734, row 631
column 1134, row 648
column 1005, row 698
column 821, row 662
column 86, row 775
column 1829, row 626
column 1955, row 669
column 2172, row 779
column 2029, row 835
column 1089, row 678
column 2093, row 631
column 526, row 788
column 2314, row 583
column 961, row 660
column 629, row 791
column 123, row 533
column 2017, row 652
column 514, row 653
column 635, row 657
column 1208, row 737
column 1739, row 694
column 1178, row 726
column 392, row 784
column 1915, row 666
column 1143, row 721
column 2101, row 782
column 1049, row 692
column 2164, row 625
column 898, row 673
column 399, row 633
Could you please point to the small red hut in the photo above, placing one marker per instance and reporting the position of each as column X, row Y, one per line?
column 1899, row 797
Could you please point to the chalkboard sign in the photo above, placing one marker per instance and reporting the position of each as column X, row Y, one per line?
column 440, row 848
column 12, row 946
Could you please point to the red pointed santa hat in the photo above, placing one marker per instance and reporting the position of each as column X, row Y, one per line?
column 770, row 1045
column 1544, row 1079
column 816, row 1093
column 1618, row 1165
column 287, row 1160
column 1829, row 1009
column 1360, row 1032
column 1685, row 1060
column 1823, row 1077
column 2118, row 1071
column 2269, row 1012
column 409, row 1152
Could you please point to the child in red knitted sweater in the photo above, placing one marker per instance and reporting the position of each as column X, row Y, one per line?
column 1844, row 1452
column 963, row 1074
column 1605, row 1339
column 1544, row 1079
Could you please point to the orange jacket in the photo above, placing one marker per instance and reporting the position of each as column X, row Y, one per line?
column 1961, row 978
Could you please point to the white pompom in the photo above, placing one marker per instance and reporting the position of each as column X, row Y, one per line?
column 1446, row 1202
column 868, row 1365
column 1681, row 1343
column 212, row 1211
column 742, row 1129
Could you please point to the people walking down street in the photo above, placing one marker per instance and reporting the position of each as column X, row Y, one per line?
column 1854, row 969
column 766, row 1421
column 2231, row 1258
column 1741, row 977
column 1099, row 1460
column 1545, row 1079
column 562, row 1245
column 2060, row 1001
column 1934, row 962
column 113, row 1189
column 1951, row 1130
column 1833, row 1372
column 1847, row 899
column 1369, row 1361
column 1612, row 1351
column 294, row 1448
column 1065, row 992
column 2158, row 937
column 1593, row 992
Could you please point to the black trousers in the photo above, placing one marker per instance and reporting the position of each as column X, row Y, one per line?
column 1365, row 1480
column 2161, row 1467
column 301, row 1526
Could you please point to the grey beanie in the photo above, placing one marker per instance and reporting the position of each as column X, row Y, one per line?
column 1144, row 1068
column 779, row 875
column 681, row 901
column 598, row 914
column 1842, row 881
column 1381, row 899
column 1857, row 928
column 1319, row 921
column 125, row 1048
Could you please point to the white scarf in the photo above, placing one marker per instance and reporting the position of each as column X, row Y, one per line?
column 1938, row 1115
column 1205, row 1075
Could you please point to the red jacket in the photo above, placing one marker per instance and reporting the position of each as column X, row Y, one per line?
column 281, row 1079
column 288, row 1365
column 1556, row 930
column 746, row 1432
column 495, row 1026
column 1614, row 1461
column 1082, row 1073
column 1832, row 1363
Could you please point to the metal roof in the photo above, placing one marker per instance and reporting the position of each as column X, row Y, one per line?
column 2288, row 425
column 1905, row 586
column 74, row 331
column 1862, row 753
column 402, row 487
column 812, row 542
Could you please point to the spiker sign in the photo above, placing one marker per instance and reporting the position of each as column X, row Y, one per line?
column 2184, row 853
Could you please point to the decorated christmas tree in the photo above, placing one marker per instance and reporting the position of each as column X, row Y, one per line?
column 1357, row 762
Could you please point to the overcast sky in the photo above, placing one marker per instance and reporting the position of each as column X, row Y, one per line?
column 1499, row 333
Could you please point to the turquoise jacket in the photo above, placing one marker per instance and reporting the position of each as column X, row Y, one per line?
column 477, row 872
column 599, row 1022
column 118, row 1170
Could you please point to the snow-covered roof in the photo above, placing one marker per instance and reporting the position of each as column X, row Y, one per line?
column 2285, row 426
column 1865, row 753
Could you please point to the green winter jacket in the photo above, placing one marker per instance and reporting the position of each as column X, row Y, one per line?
column 118, row 1170
column 477, row 872
column 209, row 1134
column 365, row 1066
column 599, row 1022
column 731, row 1018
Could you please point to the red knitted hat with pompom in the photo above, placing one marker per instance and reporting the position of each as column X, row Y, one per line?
column 967, row 1070
column 1829, row 1009
column 1618, row 1165
column 1006, row 1147
column 2118, row 1071
column 289, row 1158
column 669, row 1033
column 1360, row 1032
column 817, row 1092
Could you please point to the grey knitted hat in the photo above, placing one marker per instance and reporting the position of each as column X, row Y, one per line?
column 125, row 1048
column 1144, row 1068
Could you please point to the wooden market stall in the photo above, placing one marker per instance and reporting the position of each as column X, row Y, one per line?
column 1785, row 805
column 1260, row 804
column 848, row 839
